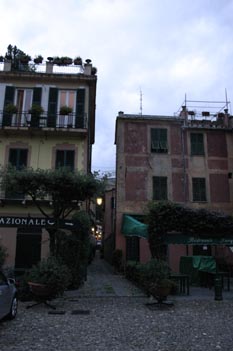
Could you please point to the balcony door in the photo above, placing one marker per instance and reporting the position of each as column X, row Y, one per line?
column 23, row 103
column 66, row 98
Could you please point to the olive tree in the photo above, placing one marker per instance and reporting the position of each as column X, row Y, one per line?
column 64, row 189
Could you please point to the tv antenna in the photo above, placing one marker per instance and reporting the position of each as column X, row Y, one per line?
column 140, row 102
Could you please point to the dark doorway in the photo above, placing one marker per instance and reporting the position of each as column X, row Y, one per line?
column 28, row 248
column 132, row 248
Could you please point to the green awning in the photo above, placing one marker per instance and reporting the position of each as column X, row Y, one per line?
column 133, row 227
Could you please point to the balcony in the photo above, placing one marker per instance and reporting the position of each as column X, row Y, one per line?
column 26, row 121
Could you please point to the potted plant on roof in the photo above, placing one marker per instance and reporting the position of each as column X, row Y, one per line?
column 24, row 59
column 57, row 61
column 65, row 110
column 93, row 70
column 38, row 59
column 65, row 60
column 78, row 61
column 36, row 111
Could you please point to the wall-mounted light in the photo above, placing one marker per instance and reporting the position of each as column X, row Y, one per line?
column 99, row 201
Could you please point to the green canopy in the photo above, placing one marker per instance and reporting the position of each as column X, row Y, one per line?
column 133, row 227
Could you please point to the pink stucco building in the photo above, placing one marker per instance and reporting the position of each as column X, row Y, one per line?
column 186, row 158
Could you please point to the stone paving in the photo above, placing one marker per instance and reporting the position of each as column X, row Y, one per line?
column 109, row 313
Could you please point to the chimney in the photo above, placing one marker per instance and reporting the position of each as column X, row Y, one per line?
column 7, row 66
column 49, row 67
column 184, row 113
column 87, row 67
column 226, row 118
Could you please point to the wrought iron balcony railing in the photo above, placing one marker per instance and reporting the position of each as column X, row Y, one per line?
column 45, row 120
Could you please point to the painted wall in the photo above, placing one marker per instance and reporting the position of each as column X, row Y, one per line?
column 136, row 166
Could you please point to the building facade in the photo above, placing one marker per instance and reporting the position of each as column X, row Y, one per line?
column 185, row 159
column 47, row 120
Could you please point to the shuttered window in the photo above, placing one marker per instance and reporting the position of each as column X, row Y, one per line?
column 199, row 189
column 197, row 144
column 65, row 158
column 159, row 188
column 159, row 140
column 80, row 109
column 18, row 158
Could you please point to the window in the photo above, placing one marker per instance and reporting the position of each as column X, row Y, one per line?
column 197, row 144
column 18, row 158
column 66, row 98
column 159, row 140
column 159, row 188
column 199, row 189
column 65, row 158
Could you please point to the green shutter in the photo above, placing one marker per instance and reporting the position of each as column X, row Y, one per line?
column 18, row 158
column 37, row 93
column 197, row 144
column 9, row 99
column 80, row 108
column 199, row 189
column 159, row 188
column 52, row 107
column 59, row 159
column 65, row 158
column 159, row 140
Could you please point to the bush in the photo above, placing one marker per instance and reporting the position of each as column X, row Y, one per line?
column 144, row 275
column 75, row 250
column 51, row 273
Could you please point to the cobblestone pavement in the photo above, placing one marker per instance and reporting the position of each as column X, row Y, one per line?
column 108, row 313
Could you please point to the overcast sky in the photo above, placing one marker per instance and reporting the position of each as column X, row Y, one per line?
column 165, row 48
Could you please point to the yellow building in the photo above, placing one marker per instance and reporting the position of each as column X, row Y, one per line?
column 47, row 137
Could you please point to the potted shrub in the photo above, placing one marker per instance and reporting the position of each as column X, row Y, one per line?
column 25, row 59
column 93, row 70
column 11, row 109
column 38, row 59
column 35, row 111
column 51, row 274
column 57, row 61
column 157, row 274
column 78, row 61
column 65, row 110
column 66, row 61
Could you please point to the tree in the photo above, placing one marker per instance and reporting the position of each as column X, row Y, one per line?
column 63, row 188
column 165, row 217
column 17, row 57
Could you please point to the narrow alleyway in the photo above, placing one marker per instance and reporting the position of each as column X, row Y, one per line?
column 102, row 281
